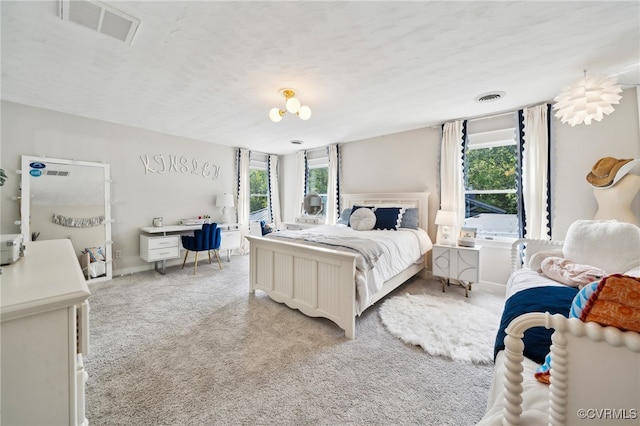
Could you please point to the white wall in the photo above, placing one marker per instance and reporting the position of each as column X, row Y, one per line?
column 409, row 161
column 138, row 196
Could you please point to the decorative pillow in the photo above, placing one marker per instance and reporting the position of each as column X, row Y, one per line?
column 537, row 258
column 606, row 244
column 409, row 218
column 388, row 217
column 344, row 217
column 570, row 273
column 357, row 207
column 362, row 219
column 95, row 253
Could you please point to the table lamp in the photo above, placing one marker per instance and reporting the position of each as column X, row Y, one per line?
column 226, row 202
column 447, row 222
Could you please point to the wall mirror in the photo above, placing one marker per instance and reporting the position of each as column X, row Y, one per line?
column 69, row 199
column 313, row 204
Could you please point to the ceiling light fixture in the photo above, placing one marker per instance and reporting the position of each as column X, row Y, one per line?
column 587, row 99
column 292, row 105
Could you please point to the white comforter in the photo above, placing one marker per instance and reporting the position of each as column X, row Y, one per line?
column 400, row 249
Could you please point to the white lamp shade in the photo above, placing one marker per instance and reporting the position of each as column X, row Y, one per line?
column 446, row 218
column 589, row 98
column 225, row 200
column 304, row 113
column 275, row 115
column 293, row 105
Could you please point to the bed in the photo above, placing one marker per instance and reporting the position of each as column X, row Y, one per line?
column 328, row 280
column 594, row 366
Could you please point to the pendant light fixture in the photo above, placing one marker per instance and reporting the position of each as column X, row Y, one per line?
column 588, row 98
column 292, row 105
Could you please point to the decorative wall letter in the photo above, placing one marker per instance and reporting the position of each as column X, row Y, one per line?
column 180, row 165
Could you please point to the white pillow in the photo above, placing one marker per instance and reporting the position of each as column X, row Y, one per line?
column 363, row 219
column 606, row 244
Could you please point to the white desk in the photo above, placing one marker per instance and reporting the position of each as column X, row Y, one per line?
column 160, row 243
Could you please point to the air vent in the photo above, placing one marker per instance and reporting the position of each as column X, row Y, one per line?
column 63, row 173
column 489, row 97
column 101, row 18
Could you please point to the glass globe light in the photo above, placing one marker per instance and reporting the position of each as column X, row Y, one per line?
column 293, row 105
column 275, row 115
column 304, row 113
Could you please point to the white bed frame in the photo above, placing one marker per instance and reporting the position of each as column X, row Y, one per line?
column 595, row 372
column 320, row 282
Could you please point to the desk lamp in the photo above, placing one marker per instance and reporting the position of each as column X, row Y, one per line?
column 226, row 202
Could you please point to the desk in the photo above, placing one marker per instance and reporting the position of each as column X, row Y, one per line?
column 160, row 243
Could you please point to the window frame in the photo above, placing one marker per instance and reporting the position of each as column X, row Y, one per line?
column 505, row 134
column 260, row 162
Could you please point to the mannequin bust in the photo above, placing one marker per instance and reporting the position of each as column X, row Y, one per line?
column 615, row 201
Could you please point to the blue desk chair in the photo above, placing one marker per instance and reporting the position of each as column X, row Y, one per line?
column 208, row 238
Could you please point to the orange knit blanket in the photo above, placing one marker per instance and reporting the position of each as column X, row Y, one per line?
column 616, row 302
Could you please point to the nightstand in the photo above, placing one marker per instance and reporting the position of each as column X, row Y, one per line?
column 458, row 263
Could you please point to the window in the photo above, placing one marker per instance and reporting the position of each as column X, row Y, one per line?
column 318, row 173
column 259, row 188
column 490, row 171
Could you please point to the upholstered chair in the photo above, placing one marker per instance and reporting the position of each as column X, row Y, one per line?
column 206, row 239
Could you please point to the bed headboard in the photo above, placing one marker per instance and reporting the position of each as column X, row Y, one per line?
column 397, row 199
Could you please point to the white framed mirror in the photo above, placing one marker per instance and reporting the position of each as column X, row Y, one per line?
column 69, row 199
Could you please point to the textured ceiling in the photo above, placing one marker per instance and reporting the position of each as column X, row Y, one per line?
column 211, row 71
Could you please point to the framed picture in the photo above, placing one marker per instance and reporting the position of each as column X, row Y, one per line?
column 468, row 232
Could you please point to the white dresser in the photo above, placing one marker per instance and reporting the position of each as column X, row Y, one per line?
column 45, row 331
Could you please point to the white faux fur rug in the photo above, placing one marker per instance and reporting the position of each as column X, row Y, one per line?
column 443, row 326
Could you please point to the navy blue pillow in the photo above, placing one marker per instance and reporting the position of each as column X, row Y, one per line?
column 356, row 207
column 387, row 217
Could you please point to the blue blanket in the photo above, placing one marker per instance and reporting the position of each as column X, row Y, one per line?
column 537, row 340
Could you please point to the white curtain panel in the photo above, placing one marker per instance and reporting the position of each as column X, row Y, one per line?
column 275, row 191
column 301, row 174
column 451, row 171
column 331, row 215
column 534, row 172
column 243, row 199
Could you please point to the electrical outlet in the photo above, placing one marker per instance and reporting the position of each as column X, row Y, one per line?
column 118, row 254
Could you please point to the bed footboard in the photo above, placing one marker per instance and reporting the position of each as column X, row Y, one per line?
column 595, row 371
column 317, row 281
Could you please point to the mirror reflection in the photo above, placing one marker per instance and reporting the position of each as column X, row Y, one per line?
column 69, row 199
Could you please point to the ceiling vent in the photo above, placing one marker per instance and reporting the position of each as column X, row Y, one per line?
column 101, row 18
column 489, row 97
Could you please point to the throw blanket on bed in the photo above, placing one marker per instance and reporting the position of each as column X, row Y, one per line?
column 537, row 340
column 370, row 250
column 612, row 301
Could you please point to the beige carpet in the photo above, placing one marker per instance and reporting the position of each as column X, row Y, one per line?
column 180, row 349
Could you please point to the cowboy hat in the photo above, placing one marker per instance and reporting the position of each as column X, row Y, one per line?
column 608, row 170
